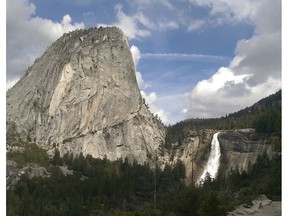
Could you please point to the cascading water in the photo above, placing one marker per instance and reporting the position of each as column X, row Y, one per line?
column 213, row 160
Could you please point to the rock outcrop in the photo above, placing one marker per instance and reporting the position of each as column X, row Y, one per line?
column 82, row 96
column 14, row 172
column 262, row 206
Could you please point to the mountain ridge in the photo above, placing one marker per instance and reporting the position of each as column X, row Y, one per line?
column 244, row 118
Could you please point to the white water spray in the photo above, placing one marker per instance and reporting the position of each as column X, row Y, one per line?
column 214, row 159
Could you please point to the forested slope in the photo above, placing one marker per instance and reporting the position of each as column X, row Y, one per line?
column 264, row 116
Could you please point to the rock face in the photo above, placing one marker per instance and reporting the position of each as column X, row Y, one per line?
column 241, row 148
column 238, row 149
column 82, row 96
column 194, row 149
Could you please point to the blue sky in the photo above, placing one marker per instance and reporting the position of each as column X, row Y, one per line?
column 194, row 58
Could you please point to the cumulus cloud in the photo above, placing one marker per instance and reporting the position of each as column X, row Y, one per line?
column 151, row 101
column 131, row 25
column 226, row 11
column 209, row 97
column 151, row 98
column 136, row 55
column 225, row 93
column 138, row 25
column 259, row 56
column 254, row 72
column 28, row 36
column 268, row 18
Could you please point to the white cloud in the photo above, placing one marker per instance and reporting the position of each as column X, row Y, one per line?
column 230, row 11
column 218, row 81
column 28, row 36
column 130, row 24
column 209, row 97
column 168, row 25
column 259, row 56
column 184, row 111
column 163, row 115
column 151, row 100
column 225, row 93
column 254, row 72
column 141, row 83
column 268, row 18
column 184, row 56
column 139, row 79
column 196, row 24
column 136, row 55
column 138, row 25
column 11, row 82
column 144, row 20
column 264, row 14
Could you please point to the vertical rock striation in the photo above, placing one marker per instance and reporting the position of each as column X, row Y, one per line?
column 239, row 149
column 82, row 96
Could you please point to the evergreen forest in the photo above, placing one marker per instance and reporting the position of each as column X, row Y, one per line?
column 103, row 187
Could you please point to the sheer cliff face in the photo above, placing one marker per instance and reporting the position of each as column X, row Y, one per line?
column 239, row 148
column 82, row 96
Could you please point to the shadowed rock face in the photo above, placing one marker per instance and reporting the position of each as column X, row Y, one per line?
column 82, row 96
column 241, row 148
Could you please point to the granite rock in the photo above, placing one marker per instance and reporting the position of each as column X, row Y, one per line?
column 81, row 95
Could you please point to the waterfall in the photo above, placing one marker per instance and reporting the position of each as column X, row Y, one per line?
column 214, row 159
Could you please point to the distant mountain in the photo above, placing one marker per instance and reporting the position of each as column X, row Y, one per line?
column 266, row 104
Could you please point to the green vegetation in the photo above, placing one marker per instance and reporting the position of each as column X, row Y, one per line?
column 264, row 116
column 268, row 122
column 31, row 154
column 96, row 187
column 102, row 187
